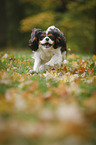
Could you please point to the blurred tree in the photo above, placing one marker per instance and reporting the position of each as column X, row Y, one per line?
column 2, row 23
column 42, row 20
column 76, row 18
column 11, row 12
column 14, row 13
column 83, row 12
column 47, row 13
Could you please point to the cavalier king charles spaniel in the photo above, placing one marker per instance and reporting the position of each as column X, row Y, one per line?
column 49, row 48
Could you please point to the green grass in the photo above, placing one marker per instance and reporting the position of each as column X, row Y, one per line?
column 35, row 104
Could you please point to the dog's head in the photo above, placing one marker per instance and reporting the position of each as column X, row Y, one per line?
column 51, row 38
column 59, row 38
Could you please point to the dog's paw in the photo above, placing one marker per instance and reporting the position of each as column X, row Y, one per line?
column 41, row 68
column 49, row 64
column 31, row 71
column 65, row 62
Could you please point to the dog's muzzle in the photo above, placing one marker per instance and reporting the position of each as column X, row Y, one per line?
column 47, row 45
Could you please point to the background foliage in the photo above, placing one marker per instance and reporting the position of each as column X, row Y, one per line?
column 76, row 18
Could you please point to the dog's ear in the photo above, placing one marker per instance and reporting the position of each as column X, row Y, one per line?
column 34, row 41
column 59, row 40
column 63, row 42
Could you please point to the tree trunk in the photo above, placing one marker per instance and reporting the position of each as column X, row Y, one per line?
column 2, row 24
column 94, row 51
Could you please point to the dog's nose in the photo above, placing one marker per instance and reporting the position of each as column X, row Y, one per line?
column 47, row 39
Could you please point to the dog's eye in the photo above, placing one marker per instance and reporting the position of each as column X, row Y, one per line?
column 43, row 35
column 49, row 35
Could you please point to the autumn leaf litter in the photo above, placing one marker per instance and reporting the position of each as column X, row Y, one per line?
column 59, row 104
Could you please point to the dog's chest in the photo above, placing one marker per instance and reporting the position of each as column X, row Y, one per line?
column 46, row 54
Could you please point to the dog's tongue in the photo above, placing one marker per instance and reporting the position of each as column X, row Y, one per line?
column 47, row 44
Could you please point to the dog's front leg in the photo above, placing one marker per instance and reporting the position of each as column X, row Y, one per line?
column 64, row 57
column 37, row 64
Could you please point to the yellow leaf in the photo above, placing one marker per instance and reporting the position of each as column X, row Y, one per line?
column 74, row 64
column 84, row 64
column 94, row 58
column 80, row 61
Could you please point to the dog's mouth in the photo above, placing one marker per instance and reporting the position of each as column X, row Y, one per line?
column 47, row 45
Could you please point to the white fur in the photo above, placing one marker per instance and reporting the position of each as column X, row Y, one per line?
column 52, row 28
column 44, row 58
column 64, row 61
column 44, row 41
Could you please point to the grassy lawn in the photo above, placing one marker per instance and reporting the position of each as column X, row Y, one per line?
column 57, row 107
